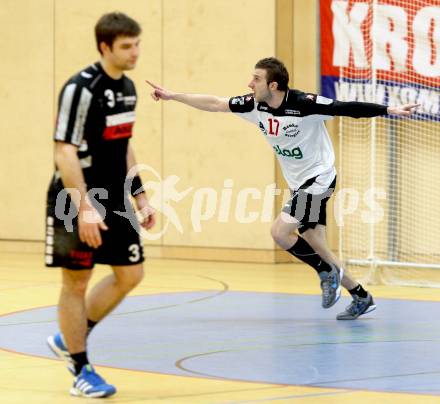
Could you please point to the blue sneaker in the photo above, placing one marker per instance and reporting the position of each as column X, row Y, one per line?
column 331, row 286
column 58, row 347
column 357, row 307
column 89, row 384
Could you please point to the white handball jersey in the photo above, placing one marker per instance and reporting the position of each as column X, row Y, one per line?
column 297, row 133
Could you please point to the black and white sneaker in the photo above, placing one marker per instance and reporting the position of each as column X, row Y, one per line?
column 357, row 307
column 331, row 286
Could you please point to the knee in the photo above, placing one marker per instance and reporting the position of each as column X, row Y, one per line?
column 76, row 283
column 278, row 234
column 130, row 279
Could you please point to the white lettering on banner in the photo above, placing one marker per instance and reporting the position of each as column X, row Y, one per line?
column 362, row 92
column 391, row 34
column 348, row 34
column 423, row 52
column 346, row 91
column 429, row 100
column 408, row 95
column 393, row 93
column 396, row 38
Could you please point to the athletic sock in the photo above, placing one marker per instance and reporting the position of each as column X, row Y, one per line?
column 90, row 325
column 79, row 361
column 358, row 291
column 304, row 252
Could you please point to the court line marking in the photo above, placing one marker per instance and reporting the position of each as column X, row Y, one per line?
column 219, row 378
column 294, row 396
column 224, row 290
column 216, row 293
column 179, row 365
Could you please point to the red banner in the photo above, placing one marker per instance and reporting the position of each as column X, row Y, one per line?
column 396, row 42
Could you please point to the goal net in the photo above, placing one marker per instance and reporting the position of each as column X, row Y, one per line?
column 387, row 52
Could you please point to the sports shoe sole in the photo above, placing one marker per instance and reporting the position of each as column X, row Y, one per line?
column 369, row 310
column 99, row 394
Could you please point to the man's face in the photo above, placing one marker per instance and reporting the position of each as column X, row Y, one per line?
column 124, row 52
column 259, row 86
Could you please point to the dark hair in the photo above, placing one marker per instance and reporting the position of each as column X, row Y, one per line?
column 275, row 72
column 112, row 25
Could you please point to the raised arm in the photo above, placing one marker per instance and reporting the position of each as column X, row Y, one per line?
column 367, row 109
column 316, row 104
column 203, row 102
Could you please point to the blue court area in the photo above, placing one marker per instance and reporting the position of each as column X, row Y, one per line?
column 262, row 337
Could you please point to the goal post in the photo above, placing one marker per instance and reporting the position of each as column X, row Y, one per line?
column 388, row 52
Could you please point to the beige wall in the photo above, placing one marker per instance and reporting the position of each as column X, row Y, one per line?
column 188, row 45
column 205, row 149
column 26, row 96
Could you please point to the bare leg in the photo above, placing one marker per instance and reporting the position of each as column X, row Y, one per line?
column 283, row 230
column 299, row 247
column 111, row 290
column 72, row 309
column 318, row 240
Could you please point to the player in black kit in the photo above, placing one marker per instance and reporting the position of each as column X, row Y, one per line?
column 93, row 156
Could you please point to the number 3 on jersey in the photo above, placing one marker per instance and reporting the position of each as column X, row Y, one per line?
column 135, row 252
column 274, row 125
column 110, row 98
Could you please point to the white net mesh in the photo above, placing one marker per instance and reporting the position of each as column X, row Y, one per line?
column 394, row 58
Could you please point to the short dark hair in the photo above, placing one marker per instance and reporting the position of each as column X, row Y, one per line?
column 275, row 72
column 112, row 25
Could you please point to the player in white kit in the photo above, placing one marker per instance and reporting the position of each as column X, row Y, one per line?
column 293, row 123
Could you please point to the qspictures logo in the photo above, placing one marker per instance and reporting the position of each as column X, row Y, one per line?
column 221, row 204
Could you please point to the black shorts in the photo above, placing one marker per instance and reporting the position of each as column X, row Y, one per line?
column 121, row 243
column 307, row 208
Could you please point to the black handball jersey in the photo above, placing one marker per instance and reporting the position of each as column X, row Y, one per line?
column 97, row 114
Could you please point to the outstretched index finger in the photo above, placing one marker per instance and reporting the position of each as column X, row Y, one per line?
column 152, row 85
